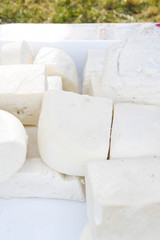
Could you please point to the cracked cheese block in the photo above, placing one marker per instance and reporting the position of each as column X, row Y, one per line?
column 78, row 131
column 35, row 179
column 123, row 199
column 92, row 74
column 131, row 71
column 54, row 82
column 16, row 53
column 13, row 145
column 32, row 148
column 21, row 91
column 58, row 63
column 135, row 131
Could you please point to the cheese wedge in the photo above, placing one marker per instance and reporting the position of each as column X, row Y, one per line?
column 135, row 131
column 54, row 82
column 32, row 147
column 58, row 63
column 35, row 179
column 131, row 71
column 92, row 74
column 16, row 53
column 13, row 145
column 21, row 91
column 73, row 130
column 123, row 199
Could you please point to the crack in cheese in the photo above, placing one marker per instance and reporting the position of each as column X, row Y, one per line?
column 78, row 131
column 58, row 63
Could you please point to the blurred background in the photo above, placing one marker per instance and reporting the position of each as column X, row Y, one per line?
column 79, row 11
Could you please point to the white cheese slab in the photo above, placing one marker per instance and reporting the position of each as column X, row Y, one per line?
column 16, row 53
column 131, row 71
column 13, row 145
column 21, row 91
column 92, row 74
column 73, row 130
column 58, row 63
column 135, row 131
column 35, row 179
column 123, row 199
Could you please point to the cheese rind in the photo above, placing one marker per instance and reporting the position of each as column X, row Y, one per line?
column 58, row 63
column 131, row 71
column 123, row 199
column 16, row 53
column 21, row 91
column 91, row 80
column 13, row 145
column 135, row 131
column 73, row 130
column 35, row 179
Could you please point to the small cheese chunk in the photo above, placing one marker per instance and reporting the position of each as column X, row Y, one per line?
column 93, row 72
column 16, row 53
column 32, row 148
column 73, row 130
column 58, row 63
column 21, row 91
column 13, row 145
column 54, row 82
column 123, row 199
column 135, row 131
column 35, row 179
column 131, row 71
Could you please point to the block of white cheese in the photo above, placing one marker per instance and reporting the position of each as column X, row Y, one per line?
column 131, row 71
column 58, row 63
column 16, row 53
column 21, row 91
column 32, row 147
column 35, row 179
column 73, row 130
column 13, row 145
column 92, row 74
column 123, row 199
column 54, row 82
column 135, row 131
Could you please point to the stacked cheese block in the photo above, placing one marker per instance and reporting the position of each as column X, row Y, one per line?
column 123, row 194
column 23, row 84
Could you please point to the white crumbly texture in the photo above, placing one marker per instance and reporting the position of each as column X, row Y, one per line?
column 16, row 53
column 86, row 233
column 54, row 82
column 92, row 74
column 131, row 71
column 58, row 63
column 21, row 91
column 123, row 199
column 135, row 131
column 13, row 145
column 73, row 130
column 32, row 147
column 35, row 179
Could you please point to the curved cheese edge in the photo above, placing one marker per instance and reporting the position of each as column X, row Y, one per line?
column 58, row 63
column 13, row 145
column 16, row 53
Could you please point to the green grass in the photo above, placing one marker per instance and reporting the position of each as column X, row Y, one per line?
column 82, row 11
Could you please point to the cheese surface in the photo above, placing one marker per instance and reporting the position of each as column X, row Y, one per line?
column 21, row 91
column 135, row 131
column 123, row 199
column 87, row 233
column 16, row 53
column 131, row 70
column 73, row 130
column 35, row 179
column 92, row 74
column 32, row 147
column 58, row 63
column 54, row 82
column 13, row 145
